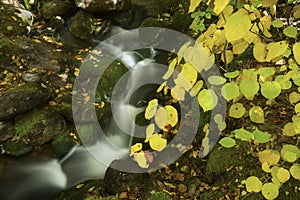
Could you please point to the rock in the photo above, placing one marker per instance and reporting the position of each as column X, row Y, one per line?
column 95, row 6
column 57, row 8
column 16, row 148
column 62, row 144
column 119, row 181
column 81, row 25
column 38, row 127
column 28, row 77
column 20, row 99
column 7, row 130
column 10, row 22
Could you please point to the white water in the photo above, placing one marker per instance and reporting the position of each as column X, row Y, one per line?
column 45, row 179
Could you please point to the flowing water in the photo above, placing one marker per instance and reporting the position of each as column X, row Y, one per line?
column 45, row 179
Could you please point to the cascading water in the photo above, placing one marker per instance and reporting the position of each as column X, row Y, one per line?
column 45, row 179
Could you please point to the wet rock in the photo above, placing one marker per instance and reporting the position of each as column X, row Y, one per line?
column 38, row 127
column 95, row 6
column 81, row 25
column 6, row 130
column 57, row 8
column 16, row 148
column 20, row 99
column 62, row 144
column 119, row 181
column 10, row 22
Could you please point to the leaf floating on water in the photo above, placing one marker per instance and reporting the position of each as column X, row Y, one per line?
column 157, row 143
column 151, row 109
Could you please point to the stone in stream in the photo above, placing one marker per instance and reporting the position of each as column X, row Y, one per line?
column 21, row 99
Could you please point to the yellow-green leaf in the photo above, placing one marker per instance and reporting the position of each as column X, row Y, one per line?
column 227, row 142
column 237, row 26
column 289, row 130
column 295, row 171
column 243, row 134
column 217, row 5
column 284, row 82
column 266, row 71
column 276, row 49
column 170, row 69
column 270, row 191
column 141, row 159
column 166, row 117
column 230, row 91
column 260, row 52
column 294, row 97
column 207, row 99
column 290, row 31
column 253, row 184
column 296, row 51
column 216, row 80
column 283, row 175
column 249, row 88
column 187, row 76
column 268, row 3
column 270, row 89
column 277, row 23
column 256, row 114
column 233, row 74
column 237, row 110
column 239, row 47
column 269, row 156
column 261, row 137
column 194, row 91
column 149, row 132
column 290, row 153
column 135, row 148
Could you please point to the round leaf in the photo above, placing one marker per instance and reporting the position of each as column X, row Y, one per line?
column 151, row 109
column 290, row 153
column 277, row 23
column 269, row 156
column 256, row 114
column 290, row 31
column 253, row 184
column 243, row 134
column 157, row 143
column 249, row 88
column 283, row 175
column 276, row 49
column 296, row 52
column 295, row 171
column 270, row 89
column 270, row 191
column 230, row 91
column 216, row 80
column 187, row 76
column 284, row 82
column 237, row 110
column 207, row 99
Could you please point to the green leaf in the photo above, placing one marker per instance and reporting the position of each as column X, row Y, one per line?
column 227, row 142
column 269, row 156
column 256, row 114
column 270, row 191
column 249, row 88
column 296, row 51
column 266, row 71
column 233, row 74
column 283, row 175
column 295, row 171
column 296, row 77
column 237, row 110
column 290, row 31
column 243, row 134
column 237, row 26
column 216, row 80
column 261, row 137
column 253, row 184
column 230, row 91
column 207, row 99
column 270, row 89
column 284, row 82
column 290, row 153
column 277, row 23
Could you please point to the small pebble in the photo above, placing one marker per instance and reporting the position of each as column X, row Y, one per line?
column 29, row 77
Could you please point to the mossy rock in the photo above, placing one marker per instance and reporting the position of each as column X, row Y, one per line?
column 62, row 144
column 102, row 198
column 16, row 148
column 81, row 25
column 211, row 195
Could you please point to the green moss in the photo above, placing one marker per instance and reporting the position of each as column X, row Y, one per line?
column 25, row 122
column 102, row 198
column 62, row 144
column 16, row 148
column 159, row 196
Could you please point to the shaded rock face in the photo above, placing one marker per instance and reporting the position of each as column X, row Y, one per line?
column 57, row 8
column 21, row 99
column 118, row 181
column 95, row 6
column 81, row 25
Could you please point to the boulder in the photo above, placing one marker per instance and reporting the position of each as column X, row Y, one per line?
column 96, row 6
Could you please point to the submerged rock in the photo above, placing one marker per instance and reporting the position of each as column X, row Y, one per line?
column 20, row 99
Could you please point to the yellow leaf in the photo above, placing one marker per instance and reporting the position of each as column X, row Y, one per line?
column 151, row 109
column 260, row 52
column 296, row 52
column 276, row 49
column 270, row 191
column 166, row 117
column 253, row 35
column 178, row 93
column 289, row 129
column 237, row 26
column 253, row 184
column 256, row 114
column 207, row 99
column 141, row 159
column 225, row 15
column 268, row 3
column 149, row 132
column 283, row 175
column 135, row 148
column 269, row 156
column 170, row 69
column 187, row 76
column 217, row 5
column 238, row 47
column 193, row 5
column 194, row 91
column 157, row 143
column 229, row 56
